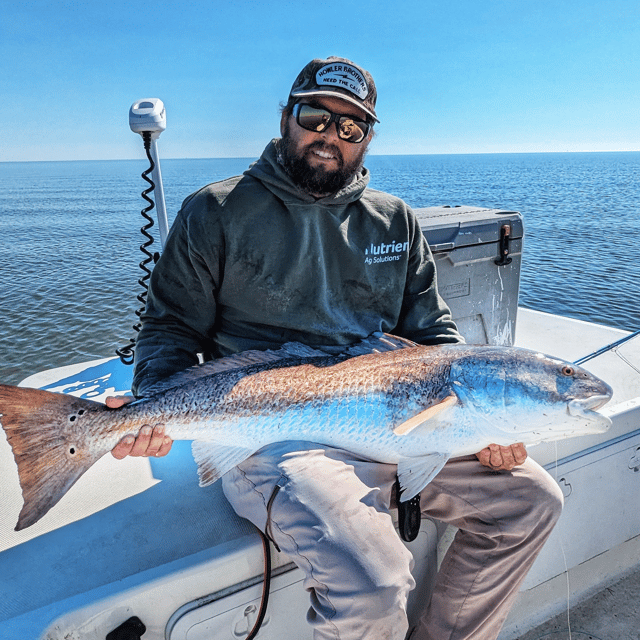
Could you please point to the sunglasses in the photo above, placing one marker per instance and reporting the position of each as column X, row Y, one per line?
column 317, row 119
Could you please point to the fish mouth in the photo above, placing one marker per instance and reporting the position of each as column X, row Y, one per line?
column 592, row 403
column 587, row 408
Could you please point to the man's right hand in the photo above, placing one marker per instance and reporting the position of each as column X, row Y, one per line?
column 148, row 443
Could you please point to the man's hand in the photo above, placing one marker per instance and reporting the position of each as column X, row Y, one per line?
column 149, row 443
column 503, row 458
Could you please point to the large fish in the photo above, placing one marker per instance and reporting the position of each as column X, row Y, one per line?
column 386, row 399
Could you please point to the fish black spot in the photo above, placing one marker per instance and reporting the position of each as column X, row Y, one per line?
column 72, row 450
column 81, row 412
column 72, row 418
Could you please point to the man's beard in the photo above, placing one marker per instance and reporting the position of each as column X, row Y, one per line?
column 317, row 180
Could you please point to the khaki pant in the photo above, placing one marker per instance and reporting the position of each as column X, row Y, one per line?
column 331, row 516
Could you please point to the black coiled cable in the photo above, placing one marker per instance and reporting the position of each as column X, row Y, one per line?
column 126, row 353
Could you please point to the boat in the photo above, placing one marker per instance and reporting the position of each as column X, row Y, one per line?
column 138, row 550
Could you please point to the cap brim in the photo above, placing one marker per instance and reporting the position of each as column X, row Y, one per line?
column 335, row 94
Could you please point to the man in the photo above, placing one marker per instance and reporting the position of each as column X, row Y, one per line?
column 284, row 253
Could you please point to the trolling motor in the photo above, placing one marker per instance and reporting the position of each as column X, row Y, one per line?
column 148, row 118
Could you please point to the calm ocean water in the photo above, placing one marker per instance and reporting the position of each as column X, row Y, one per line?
column 70, row 235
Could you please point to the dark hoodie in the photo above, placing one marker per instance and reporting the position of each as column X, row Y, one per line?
column 253, row 262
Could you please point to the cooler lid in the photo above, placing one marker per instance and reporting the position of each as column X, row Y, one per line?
column 447, row 228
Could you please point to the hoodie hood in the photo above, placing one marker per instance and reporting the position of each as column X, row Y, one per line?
column 272, row 174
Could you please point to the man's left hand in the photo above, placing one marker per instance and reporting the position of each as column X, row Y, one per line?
column 149, row 442
column 503, row 458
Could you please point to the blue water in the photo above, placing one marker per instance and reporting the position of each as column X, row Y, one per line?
column 70, row 236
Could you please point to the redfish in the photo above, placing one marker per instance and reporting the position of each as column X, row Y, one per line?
column 386, row 399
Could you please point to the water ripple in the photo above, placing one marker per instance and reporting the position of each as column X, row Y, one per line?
column 69, row 251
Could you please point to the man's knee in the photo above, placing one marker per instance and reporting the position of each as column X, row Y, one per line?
column 540, row 499
column 552, row 502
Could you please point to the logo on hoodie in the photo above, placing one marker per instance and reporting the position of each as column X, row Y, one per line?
column 383, row 252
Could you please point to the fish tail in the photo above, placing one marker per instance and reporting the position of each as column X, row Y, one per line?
column 45, row 431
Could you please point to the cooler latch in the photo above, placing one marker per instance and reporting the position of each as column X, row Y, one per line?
column 505, row 241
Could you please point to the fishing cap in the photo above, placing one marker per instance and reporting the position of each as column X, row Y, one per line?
column 337, row 78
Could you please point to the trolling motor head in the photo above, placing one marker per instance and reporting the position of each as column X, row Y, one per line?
column 148, row 115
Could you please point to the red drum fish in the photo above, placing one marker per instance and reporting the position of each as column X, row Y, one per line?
column 386, row 399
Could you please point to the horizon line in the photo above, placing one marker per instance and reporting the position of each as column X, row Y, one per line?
column 379, row 155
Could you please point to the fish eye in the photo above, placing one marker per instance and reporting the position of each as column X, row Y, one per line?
column 567, row 370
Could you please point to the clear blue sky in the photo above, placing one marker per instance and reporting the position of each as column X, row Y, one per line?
column 454, row 76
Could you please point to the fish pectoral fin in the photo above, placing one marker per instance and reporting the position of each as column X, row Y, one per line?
column 214, row 460
column 415, row 474
column 428, row 414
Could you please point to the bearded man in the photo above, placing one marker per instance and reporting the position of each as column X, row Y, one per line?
column 287, row 252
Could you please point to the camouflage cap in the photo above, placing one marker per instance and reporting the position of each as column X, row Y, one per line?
column 338, row 78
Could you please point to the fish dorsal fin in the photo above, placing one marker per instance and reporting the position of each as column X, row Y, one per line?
column 428, row 414
column 290, row 350
column 378, row 343
column 214, row 460
column 414, row 474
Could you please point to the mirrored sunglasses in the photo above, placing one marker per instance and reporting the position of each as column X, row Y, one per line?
column 317, row 119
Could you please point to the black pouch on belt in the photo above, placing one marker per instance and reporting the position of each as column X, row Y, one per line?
column 409, row 516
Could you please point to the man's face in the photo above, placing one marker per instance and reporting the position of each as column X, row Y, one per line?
column 322, row 163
